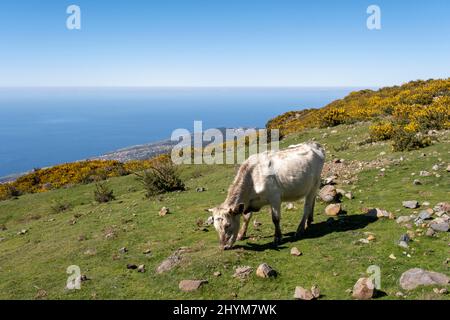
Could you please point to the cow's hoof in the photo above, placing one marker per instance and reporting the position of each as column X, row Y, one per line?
column 277, row 241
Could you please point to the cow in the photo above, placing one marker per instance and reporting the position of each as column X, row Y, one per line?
column 270, row 178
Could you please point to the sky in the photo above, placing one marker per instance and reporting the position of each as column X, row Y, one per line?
column 223, row 43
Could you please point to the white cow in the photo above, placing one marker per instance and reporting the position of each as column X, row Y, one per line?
column 270, row 178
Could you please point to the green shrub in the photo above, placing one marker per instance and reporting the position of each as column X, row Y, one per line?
column 161, row 177
column 102, row 193
column 403, row 140
column 59, row 206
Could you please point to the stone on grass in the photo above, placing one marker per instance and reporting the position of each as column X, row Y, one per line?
column 315, row 291
column 440, row 226
column 303, row 294
column 265, row 271
column 290, row 206
column 217, row 274
column 430, row 232
column 295, row 252
column 424, row 173
column 242, row 272
column 22, row 232
column 417, row 182
column 448, row 168
column 391, row 256
column 363, row 289
column 123, row 250
column 141, row 268
column 416, row 277
column 403, row 219
column 349, row 195
column 170, row 262
column 328, row 194
column 191, row 285
column 411, row 204
column 333, row 210
column 164, row 211
column 425, row 215
column 131, row 266
column 378, row 213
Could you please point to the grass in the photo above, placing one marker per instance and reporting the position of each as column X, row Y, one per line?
column 332, row 256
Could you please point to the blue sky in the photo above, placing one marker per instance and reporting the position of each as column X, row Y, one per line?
column 222, row 43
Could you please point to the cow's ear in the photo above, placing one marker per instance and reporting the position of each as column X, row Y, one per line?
column 239, row 209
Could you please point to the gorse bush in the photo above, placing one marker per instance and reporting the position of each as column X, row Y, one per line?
column 59, row 206
column 102, row 193
column 8, row 191
column 381, row 131
column 160, row 178
column 403, row 140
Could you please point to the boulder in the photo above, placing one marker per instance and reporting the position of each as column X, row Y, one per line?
column 265, row 271
column 303, row 294
column 416, row 277
column 328, row 194
column 242, row 272
column 295, row 252
column 170, row 262
column 403, row 219
column 363, row 289
column 191, row 285
column 315, row 291
column 410, row 204
column 440, row 226
column 378, row 213
column 164, row 211
column 333, row 210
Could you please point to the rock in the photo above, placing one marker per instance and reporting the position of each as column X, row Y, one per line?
column 365, row 241
column 391, row 256
column 256, row 224
column 170, row 262
column 200, row 189
column 378, row 213
column 328, row 194
column 164, row 211
column 424, row 174
column 303, row 294
column 403, row 219
column 141, row 268
column 411, row 204
column 123, row 250
column 416, row 277
column 404, row 240
column 442, row 206
column 425, row 215
column 363, row 289
column 349, row 196
column 242, row 272
column 417, row 182
column 371, row 237
column 333, row 210
column 147, row 251
column 265, row 271
column 290, row 206
column 131, row 266
column 90, row 252
column 217, row 274
column 425, row 203
column 315, row 291
column 403, row 244
column 22, row 232
column 430, row 232
column 295, row 252
column 440, row 227
column 448, row 168
column 191, row 285
column 435, row 167
column 330, row 180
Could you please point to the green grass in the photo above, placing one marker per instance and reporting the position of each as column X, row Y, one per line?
column 332, row 256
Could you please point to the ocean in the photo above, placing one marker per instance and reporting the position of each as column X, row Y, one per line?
column 41, row 127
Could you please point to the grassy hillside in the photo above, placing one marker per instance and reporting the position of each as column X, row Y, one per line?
column 33, row 265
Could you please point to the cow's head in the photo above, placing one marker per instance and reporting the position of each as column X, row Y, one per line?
column 226, row 222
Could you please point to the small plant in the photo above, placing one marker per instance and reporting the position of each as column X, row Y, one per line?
column 381, row 131
column 160, row 178
column 102, row 193
column 59, row 206
column 403, row 140
column 344, row 146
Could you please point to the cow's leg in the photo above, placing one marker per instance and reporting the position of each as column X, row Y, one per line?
column 276, row 216
column 308, row 213
column 243, row 231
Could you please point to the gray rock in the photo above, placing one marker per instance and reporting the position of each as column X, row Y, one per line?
column 425, row 215
column 440, row 227
column 328, row 194
column 200, row 189
column 141, row 268
column 315, row 290
column 403, row 244
column 425, row 174
column 363, row 289
column 303, row 294
column 290, row 206
column 170, row 262
column 191, row 285
column 242, row 272
column 435, row 167
column 405, row 237
column 123, row 250
column 416, row 277
column 417, row 182
column 430, row 232
column 403, row 219
column 411, row 204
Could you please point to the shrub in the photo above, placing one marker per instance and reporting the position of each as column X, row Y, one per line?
column 333, row 117
column 59, row 206
column 102, row 193
column 160, row 178
column 342, row 147
column 403, row 140
column 381, row 131
column 8, row 191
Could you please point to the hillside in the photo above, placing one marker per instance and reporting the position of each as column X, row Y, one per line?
column 37, row 245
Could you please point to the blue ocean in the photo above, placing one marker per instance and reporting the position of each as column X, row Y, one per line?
column 40, row 127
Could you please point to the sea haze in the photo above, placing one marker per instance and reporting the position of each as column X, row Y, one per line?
column 45, row 126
